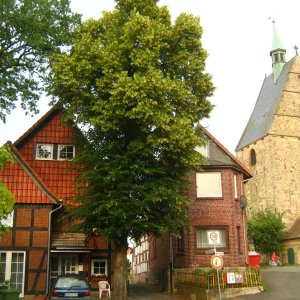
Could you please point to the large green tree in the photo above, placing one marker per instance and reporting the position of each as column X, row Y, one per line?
column 29, row 31
column 267, row 231
column 136, row 83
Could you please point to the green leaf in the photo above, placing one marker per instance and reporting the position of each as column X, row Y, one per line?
column 137, row 84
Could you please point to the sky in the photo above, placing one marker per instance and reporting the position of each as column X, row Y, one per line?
column 238, row 38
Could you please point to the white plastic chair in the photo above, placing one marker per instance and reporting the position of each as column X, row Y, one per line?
column 104, row 286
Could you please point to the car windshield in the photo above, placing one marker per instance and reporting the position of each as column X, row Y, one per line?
column 71, row 282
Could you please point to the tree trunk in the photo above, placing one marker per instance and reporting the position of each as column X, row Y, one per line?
column 119, row 283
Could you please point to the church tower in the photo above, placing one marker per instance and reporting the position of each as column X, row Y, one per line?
column 277, row 54
column 270, row 144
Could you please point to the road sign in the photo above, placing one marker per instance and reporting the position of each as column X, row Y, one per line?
column 217, row 261
column 220, row 253
column 213, row 237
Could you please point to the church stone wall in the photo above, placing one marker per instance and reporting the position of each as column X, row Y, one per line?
column 276, row 175
column 277, row 169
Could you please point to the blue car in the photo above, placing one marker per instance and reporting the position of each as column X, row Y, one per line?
column 71, row 287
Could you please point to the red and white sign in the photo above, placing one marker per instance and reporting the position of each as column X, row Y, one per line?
column 217, row 261
column 213, row 237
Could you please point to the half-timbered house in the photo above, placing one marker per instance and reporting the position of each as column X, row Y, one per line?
column 39, row 247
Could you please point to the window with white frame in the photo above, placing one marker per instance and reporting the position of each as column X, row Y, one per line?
column 235, row 186
column 12, row 268
column 47, row 151
column 99, row 267
column 66, row 152
column 210, row 237
column 9, row 220
column 44, row 151
column 209, row 184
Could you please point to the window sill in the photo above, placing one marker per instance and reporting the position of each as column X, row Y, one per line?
column 202, row 251
column 209, row 198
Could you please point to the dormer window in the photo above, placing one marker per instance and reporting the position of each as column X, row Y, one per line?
column 45, row 151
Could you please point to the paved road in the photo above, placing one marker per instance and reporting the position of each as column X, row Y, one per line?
column 148, row 292
column 282, row 283
column 143, row 292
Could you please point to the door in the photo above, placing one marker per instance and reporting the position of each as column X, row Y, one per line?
column 291, row 256
column 69, row 264
column 64, row 264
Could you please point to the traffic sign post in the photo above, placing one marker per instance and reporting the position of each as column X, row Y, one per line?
column 217, row 262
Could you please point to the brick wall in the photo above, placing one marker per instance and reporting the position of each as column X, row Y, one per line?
column 206, row 212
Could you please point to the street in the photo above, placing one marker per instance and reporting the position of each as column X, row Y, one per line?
column 281, row 283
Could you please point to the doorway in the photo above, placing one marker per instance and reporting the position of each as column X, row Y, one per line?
column 291, row 256
column 63, row 264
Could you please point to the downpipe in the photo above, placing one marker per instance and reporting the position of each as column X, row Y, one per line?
column 244, row 220
column 49, row 241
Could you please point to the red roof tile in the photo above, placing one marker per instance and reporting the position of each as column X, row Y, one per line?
column 41, row 181
column 24, row 184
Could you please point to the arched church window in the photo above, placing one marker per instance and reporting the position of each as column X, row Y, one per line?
column 252, row 157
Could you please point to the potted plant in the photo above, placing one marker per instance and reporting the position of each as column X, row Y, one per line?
column 99, row 277
column 4, row 284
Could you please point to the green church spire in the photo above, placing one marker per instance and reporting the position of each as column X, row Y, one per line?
column 277, row 53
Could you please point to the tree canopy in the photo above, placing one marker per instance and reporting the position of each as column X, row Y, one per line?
column 29, row 31
column 267, row 231
column 136, row 81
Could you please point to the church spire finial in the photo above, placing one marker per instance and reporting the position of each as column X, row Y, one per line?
column 277, row 53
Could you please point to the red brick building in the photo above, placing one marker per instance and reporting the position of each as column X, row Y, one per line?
column 216, row 210
column 38, row 248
